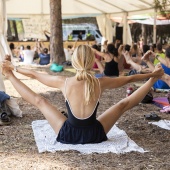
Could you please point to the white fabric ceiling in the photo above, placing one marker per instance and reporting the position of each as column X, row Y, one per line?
column 26, row 9
column 79, row 8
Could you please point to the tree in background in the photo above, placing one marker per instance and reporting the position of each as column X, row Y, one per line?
column 56, row 39
column 161, row 6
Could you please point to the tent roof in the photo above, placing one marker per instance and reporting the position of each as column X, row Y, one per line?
column 79, row 8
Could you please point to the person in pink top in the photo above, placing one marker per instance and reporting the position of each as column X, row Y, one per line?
column 96, row 56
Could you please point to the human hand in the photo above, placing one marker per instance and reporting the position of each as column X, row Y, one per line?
column 158, row 71
column 125, row 53
column 6, row 72
column 120, row 49
column 6, row 64
column 8, row 57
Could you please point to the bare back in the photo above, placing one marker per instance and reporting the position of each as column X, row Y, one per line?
column 74, row 93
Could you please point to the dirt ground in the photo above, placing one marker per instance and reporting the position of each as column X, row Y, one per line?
column 18, row 150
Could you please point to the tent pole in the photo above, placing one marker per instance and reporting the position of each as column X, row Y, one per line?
column 154, row 27
column 102, row 49
column 4, row 17
column 42, row 11
column 125, row 28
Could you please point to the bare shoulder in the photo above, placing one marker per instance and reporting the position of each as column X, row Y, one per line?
column 60, row 81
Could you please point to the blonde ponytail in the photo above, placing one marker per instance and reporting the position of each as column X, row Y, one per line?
column 82, row 61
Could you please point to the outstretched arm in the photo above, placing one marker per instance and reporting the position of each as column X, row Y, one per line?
column 40, row 48
column 49, row 80
column 110, row 83
column 99, row 53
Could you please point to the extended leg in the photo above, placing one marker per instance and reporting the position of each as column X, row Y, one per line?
column 110, row 116
column 131, row 62
column 54, row 117
column 145, row 58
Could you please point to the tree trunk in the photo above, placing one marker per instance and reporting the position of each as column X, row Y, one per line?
column 15, row 30
column 56, row 38
column 144, row 33
column 9, row 33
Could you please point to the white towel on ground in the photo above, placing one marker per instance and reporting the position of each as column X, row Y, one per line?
column 165, row 124
column 118, row 141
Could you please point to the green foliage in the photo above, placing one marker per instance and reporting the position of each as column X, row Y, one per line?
column 12, row 27
column 20, row 28
column 161, row 6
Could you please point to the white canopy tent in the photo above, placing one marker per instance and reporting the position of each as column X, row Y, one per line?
column 79, row 8
column 102, row 9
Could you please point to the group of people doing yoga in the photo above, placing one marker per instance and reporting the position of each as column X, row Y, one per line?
column 140, row 61
column 82, row 94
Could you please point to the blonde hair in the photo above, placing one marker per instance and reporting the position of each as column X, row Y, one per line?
column 82, row 61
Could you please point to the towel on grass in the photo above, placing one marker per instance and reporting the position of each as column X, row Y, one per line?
column 165, row 124
column 118, row 141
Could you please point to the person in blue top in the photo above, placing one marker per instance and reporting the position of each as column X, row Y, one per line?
column 82, row 94
column 44, row 57
column 164, row 82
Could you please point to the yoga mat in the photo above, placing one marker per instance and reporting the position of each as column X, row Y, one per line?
column 118, row 141
column 161, row 101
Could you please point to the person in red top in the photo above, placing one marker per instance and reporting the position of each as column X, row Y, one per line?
column 98, row 57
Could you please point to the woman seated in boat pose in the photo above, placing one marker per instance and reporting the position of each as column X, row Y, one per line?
column 82, row 97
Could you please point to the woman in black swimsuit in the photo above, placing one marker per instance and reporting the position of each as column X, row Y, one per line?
column 82, row 97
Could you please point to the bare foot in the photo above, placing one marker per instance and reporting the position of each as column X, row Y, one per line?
column 158, row 71
column 146, row 56
column 166, row 78
column 127, row 57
